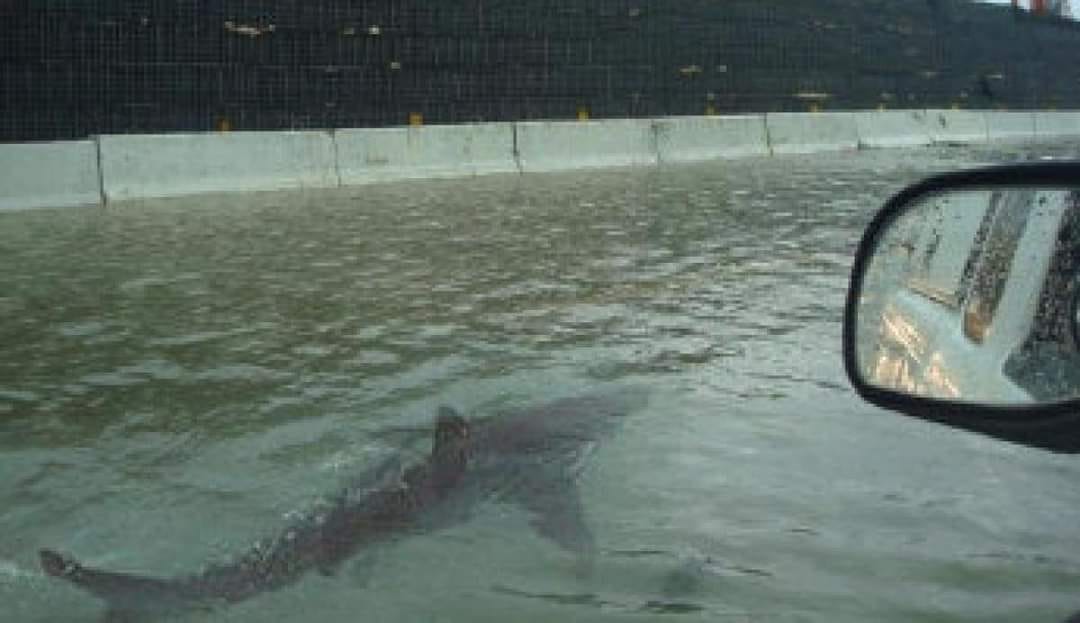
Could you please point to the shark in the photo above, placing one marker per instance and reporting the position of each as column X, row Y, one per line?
column 531, row 458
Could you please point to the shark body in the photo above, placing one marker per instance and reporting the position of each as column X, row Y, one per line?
column 530, row 458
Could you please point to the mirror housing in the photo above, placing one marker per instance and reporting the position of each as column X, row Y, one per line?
column 946, row 315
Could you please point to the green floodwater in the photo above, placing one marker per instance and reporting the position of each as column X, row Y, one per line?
column 179, row 378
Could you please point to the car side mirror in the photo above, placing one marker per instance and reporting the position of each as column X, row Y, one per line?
column 964, row 301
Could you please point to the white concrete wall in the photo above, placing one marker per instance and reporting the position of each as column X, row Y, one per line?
column 805, row 133
column 385, row 154
column 956, row 126
column 564, row 145
column 696, row 139
column 166, row 165
column 893, row 128
column 136, row 166
column 1010, row 126
column 1056, row 124
column 59, row 175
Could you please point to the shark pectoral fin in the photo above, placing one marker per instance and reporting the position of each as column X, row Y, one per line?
column 362, row 569
column 559, row 516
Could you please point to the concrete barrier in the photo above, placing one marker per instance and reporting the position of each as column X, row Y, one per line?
column 136, row 166
column 804, row 133
column 38, row 175
column 955, row 126
column 1010, row 126
column 562, row 145
column 379, row 155
column 696, row 139
column 167, row 165
column 893, row 128
column 1056, row 124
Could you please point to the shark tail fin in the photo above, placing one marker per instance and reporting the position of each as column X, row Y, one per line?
column 57, row 565
column 129, row 597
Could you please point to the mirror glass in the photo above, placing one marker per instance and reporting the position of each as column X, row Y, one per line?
column 972, row 296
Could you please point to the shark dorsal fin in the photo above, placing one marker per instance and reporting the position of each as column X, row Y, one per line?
column 451, row 428
column 445, row 411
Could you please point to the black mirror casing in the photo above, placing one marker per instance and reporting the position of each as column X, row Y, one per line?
column 1054, row 427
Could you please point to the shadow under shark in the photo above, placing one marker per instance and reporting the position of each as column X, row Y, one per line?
column 531, row 458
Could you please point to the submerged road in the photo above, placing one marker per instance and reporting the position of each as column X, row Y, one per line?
column 180, row 378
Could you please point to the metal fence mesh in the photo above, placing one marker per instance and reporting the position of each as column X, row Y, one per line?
column 72, row 68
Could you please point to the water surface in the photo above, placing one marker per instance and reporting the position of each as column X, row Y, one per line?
column 179, row 378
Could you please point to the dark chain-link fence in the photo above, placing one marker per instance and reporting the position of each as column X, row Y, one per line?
column 72, row 68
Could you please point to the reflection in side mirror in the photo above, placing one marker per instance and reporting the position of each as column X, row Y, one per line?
column 972, row 295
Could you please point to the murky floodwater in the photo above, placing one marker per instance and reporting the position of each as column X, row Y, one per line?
column 178, row 378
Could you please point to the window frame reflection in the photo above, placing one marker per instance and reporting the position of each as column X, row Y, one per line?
column 933, row 294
